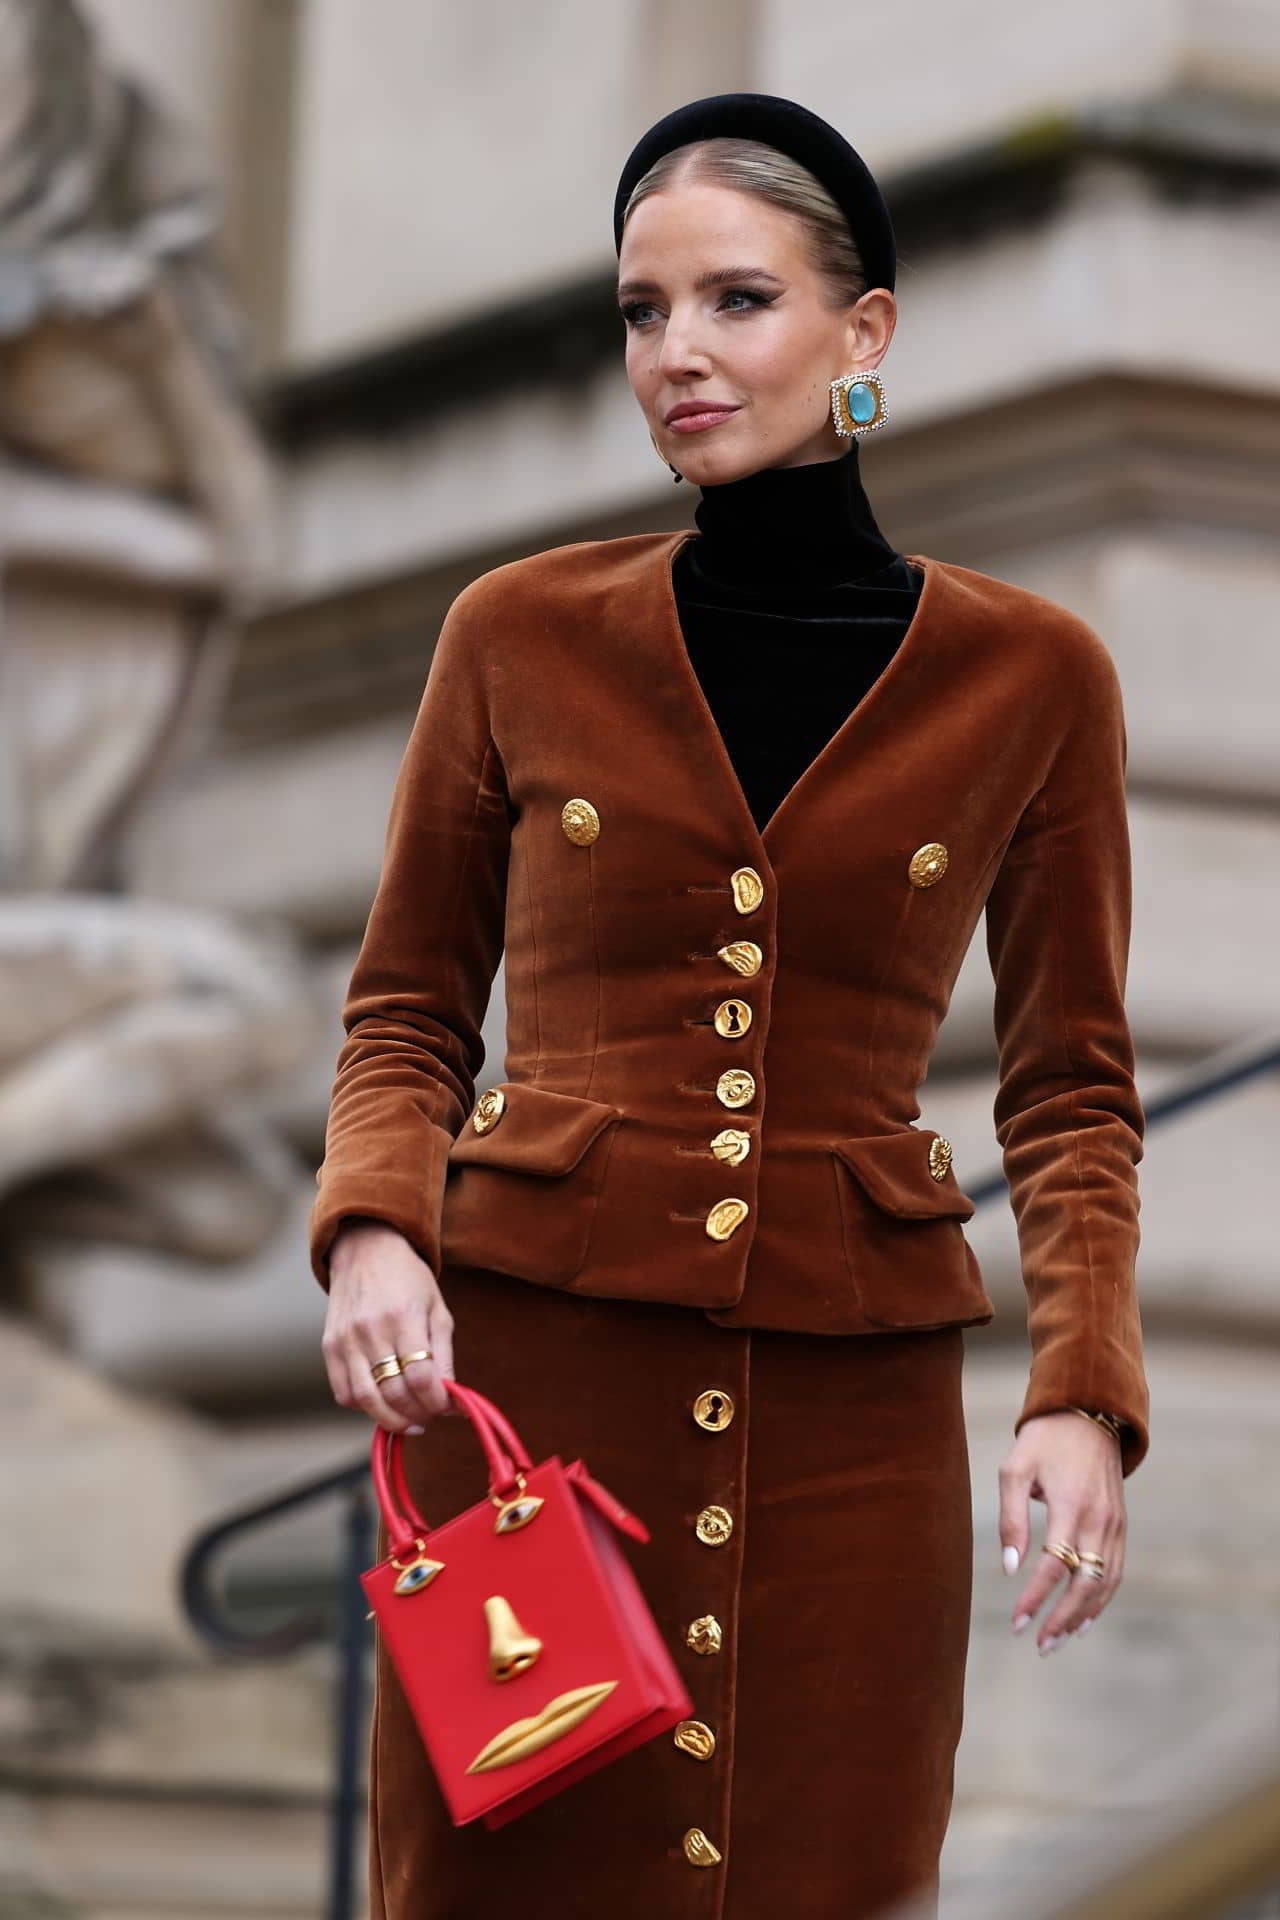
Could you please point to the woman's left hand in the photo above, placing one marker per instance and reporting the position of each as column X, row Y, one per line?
column 1073, row 1465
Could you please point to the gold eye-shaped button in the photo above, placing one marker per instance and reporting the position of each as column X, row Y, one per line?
column 713, row 1526
column 744, row 956
column 698, row 1850
column 713, row 1409
column 731, row 1145
column 726, row 1217
column 705, row 1634
column 939, row 1157
column 732, row 1019
column 928, row 863
column 580, row 821
column 695, row 1737
column 736, row 1087
column 489, row 1109
column 748, row 889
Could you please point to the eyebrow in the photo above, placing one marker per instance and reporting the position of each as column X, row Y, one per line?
column 717, row 277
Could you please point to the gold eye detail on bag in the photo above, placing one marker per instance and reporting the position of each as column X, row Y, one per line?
column 580, row 821
column 417, row 1573
column 928, row 863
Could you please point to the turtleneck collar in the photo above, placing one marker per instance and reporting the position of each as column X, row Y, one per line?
column 809, row 525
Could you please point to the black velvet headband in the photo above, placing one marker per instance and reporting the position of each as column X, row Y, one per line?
column 793, row 130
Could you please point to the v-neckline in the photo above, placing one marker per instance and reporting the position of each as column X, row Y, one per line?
column 761, row 838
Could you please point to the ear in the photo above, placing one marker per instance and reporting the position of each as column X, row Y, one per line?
column 871, row 323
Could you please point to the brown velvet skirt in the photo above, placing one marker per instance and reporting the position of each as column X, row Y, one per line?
column 843, row 1596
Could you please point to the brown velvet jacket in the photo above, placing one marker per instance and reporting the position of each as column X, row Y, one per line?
column 715, row 1035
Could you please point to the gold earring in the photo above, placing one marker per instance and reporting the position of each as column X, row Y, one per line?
column 858, row 404
column 666, row 463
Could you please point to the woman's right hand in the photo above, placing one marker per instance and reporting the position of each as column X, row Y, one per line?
column 384, row 1299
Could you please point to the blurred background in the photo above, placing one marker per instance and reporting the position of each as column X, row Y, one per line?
column 306, row 320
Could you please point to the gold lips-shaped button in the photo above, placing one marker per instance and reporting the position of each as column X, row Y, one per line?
column 524, row 1737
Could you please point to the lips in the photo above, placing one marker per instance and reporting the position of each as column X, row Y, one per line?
column 524, row 1737
column 704, row 409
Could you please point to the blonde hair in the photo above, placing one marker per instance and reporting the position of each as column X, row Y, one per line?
column 752, row 166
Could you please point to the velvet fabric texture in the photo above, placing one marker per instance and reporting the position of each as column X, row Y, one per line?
column 996, row 731
column 842, row 1598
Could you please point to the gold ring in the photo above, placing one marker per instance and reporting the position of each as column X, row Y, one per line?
column 1093, row 1573
column 423, row 1353
column 1067, row 1554
column 386, row 1370
column 1094, row 1559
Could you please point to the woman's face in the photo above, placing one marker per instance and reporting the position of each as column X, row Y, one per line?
column 723, row 309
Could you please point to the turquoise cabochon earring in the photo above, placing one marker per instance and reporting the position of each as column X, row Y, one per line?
column 858, row 404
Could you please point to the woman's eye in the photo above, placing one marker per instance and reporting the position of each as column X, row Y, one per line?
column 633, row 311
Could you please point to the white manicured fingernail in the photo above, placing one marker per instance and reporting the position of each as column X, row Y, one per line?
column 1052, row 1644
column 1086, row 1624
column 1021, row 1622
column 415, row 1429
column 1011, row 1559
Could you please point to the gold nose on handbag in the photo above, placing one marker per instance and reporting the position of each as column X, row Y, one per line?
column 512, row 1651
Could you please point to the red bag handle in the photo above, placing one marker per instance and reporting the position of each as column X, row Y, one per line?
column 405, row 1524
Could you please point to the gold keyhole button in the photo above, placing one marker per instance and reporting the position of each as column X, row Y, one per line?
column 713, row 1526
column 733, row 1017
column 736, row 1088
column 714, row 1409
column 695, row 1737
column 748, row 889
column 705, row 1634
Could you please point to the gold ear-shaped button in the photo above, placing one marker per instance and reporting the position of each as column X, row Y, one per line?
column 939, row 1157
column 928, row 864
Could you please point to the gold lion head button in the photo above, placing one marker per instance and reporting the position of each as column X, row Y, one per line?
column 714, row 1409
column 748, row 889
column 732, row 1145
column 726, row 1217
column 713, row 1526
column 489, row 1109
column 732, row 1019
column 580, row 821
column 705, row 1634
column 736, row 1088
column 698, row 1850
column 928, row 863
column 744, row 956
column 939, row 1157
column 695, row 1737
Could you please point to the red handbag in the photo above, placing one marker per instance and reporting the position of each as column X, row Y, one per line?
column 520, row 1635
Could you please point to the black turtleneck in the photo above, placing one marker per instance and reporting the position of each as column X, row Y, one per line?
column 792, row 602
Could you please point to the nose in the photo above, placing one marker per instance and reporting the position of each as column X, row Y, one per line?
column 512, row 1651
column 682, row 351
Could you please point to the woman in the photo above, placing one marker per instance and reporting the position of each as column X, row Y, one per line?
column 734, row 802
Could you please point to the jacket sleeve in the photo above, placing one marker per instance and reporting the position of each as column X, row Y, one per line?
column 1067, row 1113
column 417, row 997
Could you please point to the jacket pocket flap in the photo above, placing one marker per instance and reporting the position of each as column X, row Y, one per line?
column 538, row 1131
column 894, row 1170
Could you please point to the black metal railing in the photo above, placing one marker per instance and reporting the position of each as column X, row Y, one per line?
column 1230, row 1068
